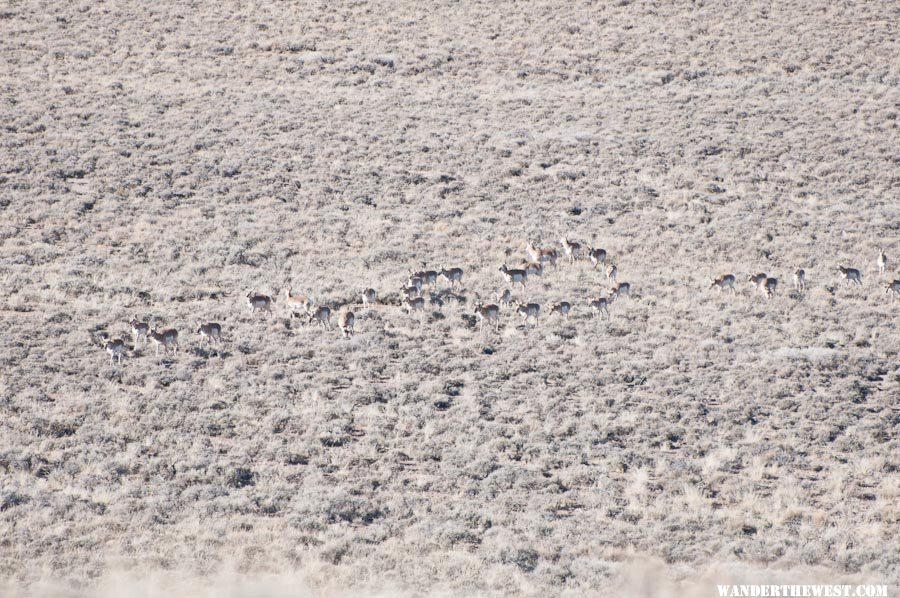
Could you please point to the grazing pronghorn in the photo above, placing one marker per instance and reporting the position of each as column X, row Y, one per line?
column 487, row 313
column 414, row 304
column 345, row 323
column 892, row 289
column 454, row 276
column 562, row 308
column 532, row 268
column 514, row 277
column 800, row 279
column 851, row 275
column 211, row 332
column 882, row 262
column 261, row 303
column 597, row 256
column 623, row 288
column 611, row 273
column 295, row 303
column 726, row 281
column 139, row 331
column 528, row 310
column 541, row 255
column 600, row 306
column 321, row 314
column 116, row 349
column 428, row 277
column 765, row 284
column 504, row 298
column 167, row 338
column 369, row 296
column 571, row 249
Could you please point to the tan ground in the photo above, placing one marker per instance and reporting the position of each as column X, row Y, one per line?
column 162, row 162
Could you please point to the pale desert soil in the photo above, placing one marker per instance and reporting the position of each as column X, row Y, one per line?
column 164, row 161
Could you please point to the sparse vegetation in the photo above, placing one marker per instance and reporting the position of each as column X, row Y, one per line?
column 169, row 165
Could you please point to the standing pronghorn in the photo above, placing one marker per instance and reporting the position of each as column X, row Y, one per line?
column 295, row 303
column 167, row 338
column 562, row 308
column 726, row 281
column 514, row 277
column 571, row 249
column 428, row 277
column 756, row 280
column 800, row 279
column 139, row 331
column 504, row 298
column 261, row 303
column 487, row 313
column 532, row 268
column 597, row 256
column 600, row 306
column 346, row 322
column 414, row 304
column 851, row 275
column 116, row 349
column 369, row 296
column 541, row 254
column 611, row 272
column 882, row 262
column 454, row 276
column 893, row 289
column 528, row 310
column 211, row 332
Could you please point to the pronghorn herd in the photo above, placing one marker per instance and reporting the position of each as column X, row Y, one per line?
column 412, row 297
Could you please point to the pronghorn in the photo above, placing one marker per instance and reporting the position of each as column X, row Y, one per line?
column 167, row 338
column 428, row 277
column 514, row 277
column 504, row 298
column 600, row 306
column 414, row 304
column 369, row 296
column 116, row 349
column 882, row 262
column 851, row 275
column 765, row 284
column 541, row 255
column 321, row 314
column 487, row 313
column 295, row 303
column 139, row 331
column 345, row 323
column 623, row 288
column 756, row 280
column 211, row 332
column 409, row 292
column 415, row 282
column 528, row 310
column 893, row 288
column 532, row 268
column 726, row 281
column 611, row 272
column 800, row 279
column 597, row 256
column 562, row 308
column 454, row 276
column 571, row 249
column 261, row 303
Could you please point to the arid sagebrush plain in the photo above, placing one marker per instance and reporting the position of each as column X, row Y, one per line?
column 162, row 160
